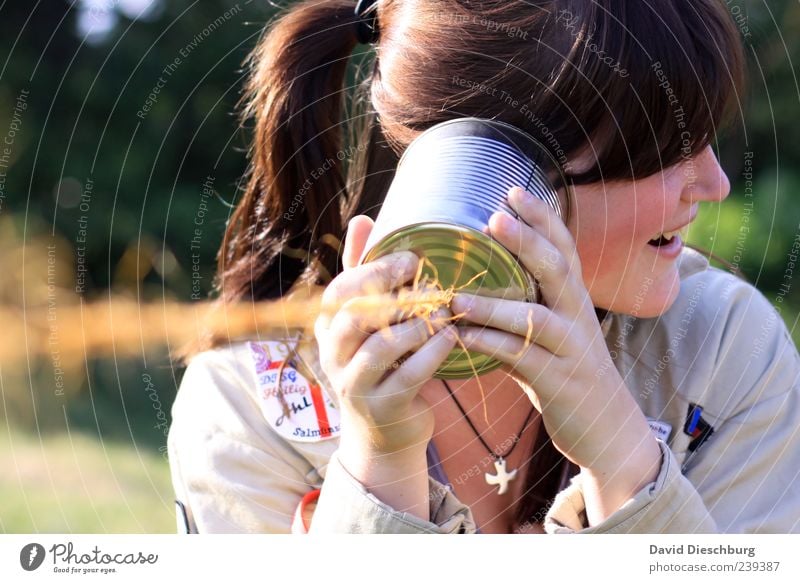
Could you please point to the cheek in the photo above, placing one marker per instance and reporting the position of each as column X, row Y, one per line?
column 604, row 236
column 612, row 225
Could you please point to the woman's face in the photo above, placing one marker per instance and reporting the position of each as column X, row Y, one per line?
column 614, row 225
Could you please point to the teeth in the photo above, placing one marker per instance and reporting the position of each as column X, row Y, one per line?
column 668, row 235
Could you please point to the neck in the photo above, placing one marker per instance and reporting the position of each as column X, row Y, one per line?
column 495, row 396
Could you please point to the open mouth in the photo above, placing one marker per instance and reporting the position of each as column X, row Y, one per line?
column 663, row 240
column 667, row 244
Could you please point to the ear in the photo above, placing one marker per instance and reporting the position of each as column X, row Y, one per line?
column 358, row 230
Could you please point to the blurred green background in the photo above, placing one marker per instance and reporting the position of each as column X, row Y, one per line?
column 120, row 111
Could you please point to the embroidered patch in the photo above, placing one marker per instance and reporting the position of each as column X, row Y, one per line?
column 660, row 429
column 296, row 407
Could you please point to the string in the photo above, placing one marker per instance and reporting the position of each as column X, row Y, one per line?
column 477, row 433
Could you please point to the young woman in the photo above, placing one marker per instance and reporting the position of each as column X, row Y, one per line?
column 659, row 394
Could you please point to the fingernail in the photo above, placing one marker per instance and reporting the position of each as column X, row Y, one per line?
column 461, row 303
column 405, row 262
column 451, row 333
column 409, row 259
column 507, row 223
column 516, row 191
column 500, row 219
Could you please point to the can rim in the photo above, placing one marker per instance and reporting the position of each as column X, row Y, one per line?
column 531, row 285
column 568, row 186
column 465, row 364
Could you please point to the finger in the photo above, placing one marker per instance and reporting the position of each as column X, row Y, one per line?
column 542, row 217
column 533, row 322
column 358, row 231
column 528, row 360
column 356, row 322
column 378, row 356
column 562, row 289
column 420, row 366
column 524, row 385
column 374, row 278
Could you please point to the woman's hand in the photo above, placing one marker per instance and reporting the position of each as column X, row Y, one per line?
column 565, row 368
column 386, row 425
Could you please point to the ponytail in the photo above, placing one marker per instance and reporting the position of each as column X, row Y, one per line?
column 289, row 224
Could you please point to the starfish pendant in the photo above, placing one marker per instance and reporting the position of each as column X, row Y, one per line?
column 502, row 477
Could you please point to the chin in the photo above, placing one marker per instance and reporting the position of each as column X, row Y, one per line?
column 649, row 297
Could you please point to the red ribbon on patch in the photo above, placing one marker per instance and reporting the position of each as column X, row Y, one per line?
column 319, row 409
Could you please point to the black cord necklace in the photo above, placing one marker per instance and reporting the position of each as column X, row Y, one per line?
column 503, row 476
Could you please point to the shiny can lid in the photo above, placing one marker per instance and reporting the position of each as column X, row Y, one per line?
column 457, row 254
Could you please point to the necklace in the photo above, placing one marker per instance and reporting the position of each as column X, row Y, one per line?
column 503, row 476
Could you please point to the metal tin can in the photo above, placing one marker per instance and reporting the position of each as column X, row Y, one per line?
column 448, row 183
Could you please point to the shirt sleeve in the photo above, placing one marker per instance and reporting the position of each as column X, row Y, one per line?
column 346, row 506
column 228, row 476
column 744, row 479
column 670, row 504
column 232, row 474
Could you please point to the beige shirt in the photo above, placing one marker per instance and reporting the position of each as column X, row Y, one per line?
column 240, row 464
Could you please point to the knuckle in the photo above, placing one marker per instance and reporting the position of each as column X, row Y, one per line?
column 556, row 264
column 561, row 266
column 419, row 332
column 331, row 294
column 377, row 345
column 476, row 307
column 352, row 311
column 523, row 313
column 390, row 271
column 405, row 377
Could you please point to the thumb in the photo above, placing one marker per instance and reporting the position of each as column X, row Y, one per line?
column 358, row 230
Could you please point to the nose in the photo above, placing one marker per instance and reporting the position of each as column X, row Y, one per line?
column 707, row 181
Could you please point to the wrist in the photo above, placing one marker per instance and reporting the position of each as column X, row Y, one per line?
column 608, row 487
column 359, row 456
column 399, row 479
column 376, row 468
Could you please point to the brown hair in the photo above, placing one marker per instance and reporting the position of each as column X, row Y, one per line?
column 647, row 84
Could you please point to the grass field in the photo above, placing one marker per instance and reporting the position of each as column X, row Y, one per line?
column 73, row 483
